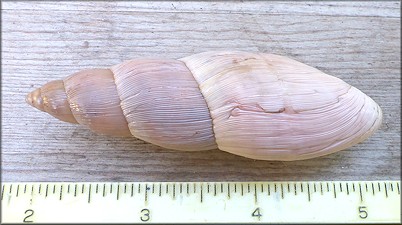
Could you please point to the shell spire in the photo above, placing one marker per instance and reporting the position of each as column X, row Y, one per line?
column 52, row 98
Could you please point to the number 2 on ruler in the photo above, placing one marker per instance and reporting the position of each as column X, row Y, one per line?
column 28, row 213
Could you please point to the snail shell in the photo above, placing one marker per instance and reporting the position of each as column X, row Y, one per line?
column 260, row 106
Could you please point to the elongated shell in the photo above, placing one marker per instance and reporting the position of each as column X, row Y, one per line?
column 260, row 106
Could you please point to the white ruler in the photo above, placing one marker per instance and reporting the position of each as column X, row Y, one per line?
column 202, row 202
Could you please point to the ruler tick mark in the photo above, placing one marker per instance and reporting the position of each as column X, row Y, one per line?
column 295, row 187
column 167, row 188
column 214, row 189
column 201, row 194
column 139, row 188
column 228, row 190
column 347, row 188
column 61, row 191
column 269, row 190
column 104, row 190
column 327, row 186
column 146, row 192
column 379, row 188
column 308, row 191
column 132, row 190
column 82, row 188
column 366, row 187
column 386, row 191
column 40, row 187
column 334, row 190
column 89, row 193
column 397, row 186
column 321, row 188
column 18, row 188
column 340, row 186
column 2, row 191
column 68, row 188
column 234, row 188
column 360, row 191
column 315, row 189
column 242, row 191
column 288, row 188
column 160, row 189
column 181, row 188
column 118, row 192
column 25, row 188
column 54, row 188
column 32, row 189
column 275, row 187
column 96, row 188
column 221, row 187
column 392, row 188
column 174, row 190
column 301, row 187
column 47, row 188
column 255, row 193
column 125, row 188
column 372, row 187
column 281, row 190
column 75, row 190
column 262, row 188
column 153, row 188
column 195, row 187
column 187, row 188
column 353, row 187
column 11, row 188
column 248, row 188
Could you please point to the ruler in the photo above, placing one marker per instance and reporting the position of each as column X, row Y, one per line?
column 202, row 202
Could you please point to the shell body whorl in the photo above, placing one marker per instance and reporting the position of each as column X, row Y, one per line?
column 270, row 107
column 260, row 106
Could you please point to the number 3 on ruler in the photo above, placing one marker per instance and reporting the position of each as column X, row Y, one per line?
column 145, row 215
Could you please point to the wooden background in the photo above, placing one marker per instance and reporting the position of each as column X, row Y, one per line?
column 358, row 42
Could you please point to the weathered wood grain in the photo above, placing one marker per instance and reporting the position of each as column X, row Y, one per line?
column 358, row 42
